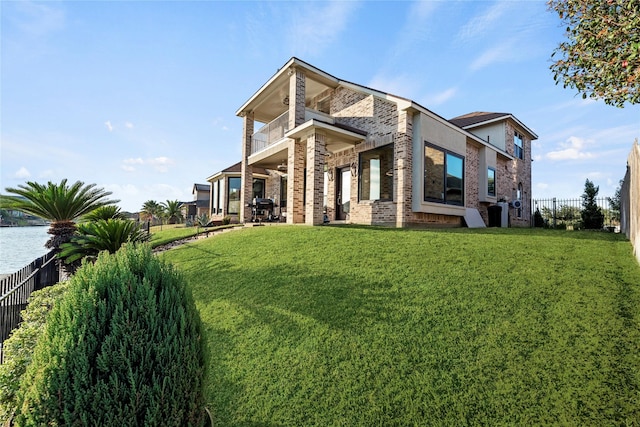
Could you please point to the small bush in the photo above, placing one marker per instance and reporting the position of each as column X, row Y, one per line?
column 18, row 348
column 124, row 347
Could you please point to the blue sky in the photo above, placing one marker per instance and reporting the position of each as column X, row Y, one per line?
column 139, row 97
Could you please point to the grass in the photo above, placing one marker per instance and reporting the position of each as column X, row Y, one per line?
column 349, row 326
column 173, row 232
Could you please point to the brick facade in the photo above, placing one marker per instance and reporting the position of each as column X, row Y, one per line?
column 341, row 110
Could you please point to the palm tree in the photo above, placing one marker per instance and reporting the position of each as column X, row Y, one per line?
column 151, row 210
column 105, row 212
column 60, row 204
column 102, row 235
column 172, row 211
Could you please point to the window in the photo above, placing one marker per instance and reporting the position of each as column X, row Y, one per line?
column 518, row 150
column 233, row 195
column 443, row 176
column 376, row 174
column 491, row 182
column 218, row 208
column 258, row 188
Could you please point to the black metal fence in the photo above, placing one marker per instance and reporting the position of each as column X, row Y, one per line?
column 16, row 288
column 567, row 213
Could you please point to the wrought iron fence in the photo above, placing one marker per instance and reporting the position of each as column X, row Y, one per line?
column 567, row 213
column 16, row 288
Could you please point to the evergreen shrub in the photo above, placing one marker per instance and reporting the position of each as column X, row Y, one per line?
column 124, row 347
column 17, row 350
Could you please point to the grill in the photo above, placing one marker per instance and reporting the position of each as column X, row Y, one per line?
column 262, row 210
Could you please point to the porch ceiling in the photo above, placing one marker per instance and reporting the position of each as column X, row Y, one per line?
column 267, row 103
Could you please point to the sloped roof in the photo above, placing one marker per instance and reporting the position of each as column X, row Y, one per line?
column 236, row 169
column 479, row 118
column 201, row 187
column 476, row 117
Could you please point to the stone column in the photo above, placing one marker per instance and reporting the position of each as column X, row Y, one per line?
column 297, row 82
column 315, row 179
column 403, row 148
column 295, row 182
column 246, row 171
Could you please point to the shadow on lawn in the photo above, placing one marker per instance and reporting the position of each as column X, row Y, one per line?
column 270, row 310
column 497, row 231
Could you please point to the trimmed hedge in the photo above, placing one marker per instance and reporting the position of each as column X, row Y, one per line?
column 124, row 347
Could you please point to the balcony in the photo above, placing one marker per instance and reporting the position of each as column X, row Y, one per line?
column 275, row 130
column 270, row 133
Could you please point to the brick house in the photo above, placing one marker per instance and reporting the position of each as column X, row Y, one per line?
column 321, row 147
column 200, row 203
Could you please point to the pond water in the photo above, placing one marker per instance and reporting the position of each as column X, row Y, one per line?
column 21, row 245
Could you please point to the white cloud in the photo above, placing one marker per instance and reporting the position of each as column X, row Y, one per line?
column 161, row 164
column 109, row 125
column 572, row 149
column 38, row 19
column 128, row 168
column 22, row 173
column 311, row 34
column 499, row 53
column 128, row 125
column 132, row 161
column 542, row 186
column 442, row 97
column 481, row 24
column 399, row 84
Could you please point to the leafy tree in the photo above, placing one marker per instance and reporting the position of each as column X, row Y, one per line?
column 59, row 203
column 105, row 212
column 601, row 56
column 592, row 216
column 172, row 211
column 614, row 202
column 91, row 238
column 538, row 221
column 151, row 211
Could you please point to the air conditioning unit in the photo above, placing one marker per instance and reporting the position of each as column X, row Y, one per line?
column 517, row 204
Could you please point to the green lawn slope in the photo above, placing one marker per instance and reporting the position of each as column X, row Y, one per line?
column 356, row 326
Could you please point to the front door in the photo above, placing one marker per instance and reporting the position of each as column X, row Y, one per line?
column 343, row 193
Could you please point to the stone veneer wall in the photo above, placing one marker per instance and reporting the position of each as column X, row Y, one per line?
column 519, row 171
column 384, row 125
column 471, row 182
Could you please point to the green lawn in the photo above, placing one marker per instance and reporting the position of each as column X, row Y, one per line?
column 161, row 235
column 354, row 326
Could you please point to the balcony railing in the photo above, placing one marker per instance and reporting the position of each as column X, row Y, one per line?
column 270, row 133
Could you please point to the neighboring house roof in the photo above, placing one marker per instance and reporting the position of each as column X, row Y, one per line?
column 197, row 203
column 481, row 118
column 201, row 187
column 236, row 169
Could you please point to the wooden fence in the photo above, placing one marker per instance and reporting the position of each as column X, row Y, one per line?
column 566, row 213
column 16, row 288
column 630, row 200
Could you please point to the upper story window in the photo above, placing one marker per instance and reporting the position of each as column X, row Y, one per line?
column 491, row 182
column 443, row 176
column 518, row 149
column 376, row 174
